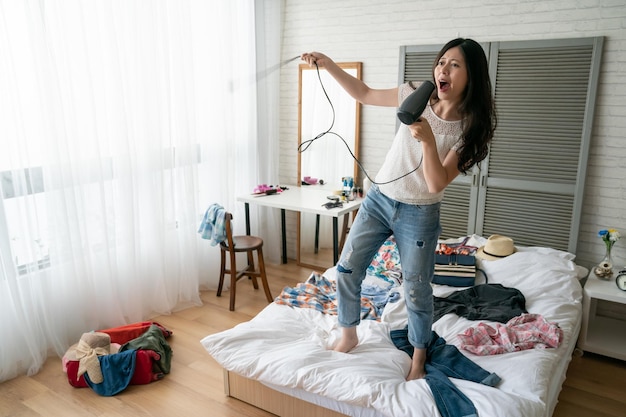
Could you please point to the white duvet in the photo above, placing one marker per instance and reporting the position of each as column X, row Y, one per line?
column 290, row 347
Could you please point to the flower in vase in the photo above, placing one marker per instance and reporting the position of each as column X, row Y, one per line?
column 609, row 237
column 604, row 270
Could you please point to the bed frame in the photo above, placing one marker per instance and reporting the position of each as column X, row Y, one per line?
column 283, row 405
column 272, row 401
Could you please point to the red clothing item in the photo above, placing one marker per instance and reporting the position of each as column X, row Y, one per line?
column 123, row 334
column 143, row 370
column 145, row 360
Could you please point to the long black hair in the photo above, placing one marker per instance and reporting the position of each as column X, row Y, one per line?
column 477, row 107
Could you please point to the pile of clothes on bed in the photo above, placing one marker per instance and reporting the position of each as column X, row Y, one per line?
column 110, row 360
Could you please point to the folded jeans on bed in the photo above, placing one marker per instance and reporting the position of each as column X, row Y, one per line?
column 444, row 361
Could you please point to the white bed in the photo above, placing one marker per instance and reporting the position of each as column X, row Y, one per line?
column 285, row 351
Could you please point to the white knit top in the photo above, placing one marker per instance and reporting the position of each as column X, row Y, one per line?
column 405, row 155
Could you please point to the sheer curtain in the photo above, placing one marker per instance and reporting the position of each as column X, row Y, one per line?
column 120, row 122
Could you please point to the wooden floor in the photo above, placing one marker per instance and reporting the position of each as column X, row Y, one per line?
column 594, row 385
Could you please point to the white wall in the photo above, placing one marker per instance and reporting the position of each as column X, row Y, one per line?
column 372, row 32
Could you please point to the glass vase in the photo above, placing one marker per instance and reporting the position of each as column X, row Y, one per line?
column 604, row 270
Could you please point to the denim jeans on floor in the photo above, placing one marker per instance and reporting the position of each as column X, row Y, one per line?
column 444, row 361
column 416, row 230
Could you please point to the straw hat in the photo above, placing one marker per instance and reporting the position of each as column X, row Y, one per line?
column 497, row 247
column 86, row 351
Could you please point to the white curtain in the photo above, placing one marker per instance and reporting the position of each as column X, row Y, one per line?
column 120, row 122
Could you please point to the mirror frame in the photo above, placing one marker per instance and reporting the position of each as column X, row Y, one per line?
column 357, row 67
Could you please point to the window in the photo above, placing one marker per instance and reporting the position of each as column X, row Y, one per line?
column 24, row 198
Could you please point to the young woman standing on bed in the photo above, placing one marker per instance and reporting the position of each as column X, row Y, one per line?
column 452, row 135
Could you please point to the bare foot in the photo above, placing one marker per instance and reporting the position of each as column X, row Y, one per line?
column 348, row 341
column 417, row 365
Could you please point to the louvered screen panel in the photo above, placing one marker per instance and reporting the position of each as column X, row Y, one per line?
column 533, row 180
column 530, row 218
column 418, row 66
column 541, row 108
column 455, row 209
column 545, row 93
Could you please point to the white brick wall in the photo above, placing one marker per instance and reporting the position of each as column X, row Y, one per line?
column 372, row 32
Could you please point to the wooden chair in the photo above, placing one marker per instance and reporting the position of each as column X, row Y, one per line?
column 233, row 245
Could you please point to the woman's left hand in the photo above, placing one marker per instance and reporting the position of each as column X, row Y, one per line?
column 422, row 131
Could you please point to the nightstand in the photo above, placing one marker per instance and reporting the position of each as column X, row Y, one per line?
column 605, row 335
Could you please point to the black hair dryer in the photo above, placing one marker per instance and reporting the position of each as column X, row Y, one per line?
column 413, row 106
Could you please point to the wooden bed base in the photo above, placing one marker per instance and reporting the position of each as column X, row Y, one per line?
column 272, row 401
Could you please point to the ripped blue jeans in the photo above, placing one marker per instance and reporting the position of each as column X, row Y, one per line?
column 416, row 230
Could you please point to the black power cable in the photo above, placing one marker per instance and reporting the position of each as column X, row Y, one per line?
column 305, row 145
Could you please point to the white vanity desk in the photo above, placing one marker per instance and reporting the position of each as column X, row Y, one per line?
column 304, row 199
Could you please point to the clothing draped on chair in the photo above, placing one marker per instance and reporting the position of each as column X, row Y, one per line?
column 217, row 227
column 213, row 226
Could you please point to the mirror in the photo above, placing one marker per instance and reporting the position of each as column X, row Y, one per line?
column 327, row 158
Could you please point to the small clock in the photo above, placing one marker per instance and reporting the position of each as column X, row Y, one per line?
column 621, row 280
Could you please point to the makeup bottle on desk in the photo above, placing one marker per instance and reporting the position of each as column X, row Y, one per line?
column 366, row 185
column 348, row 187
column 351, row 189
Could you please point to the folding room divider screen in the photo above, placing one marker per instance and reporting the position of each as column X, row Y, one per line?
column 534, row 175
